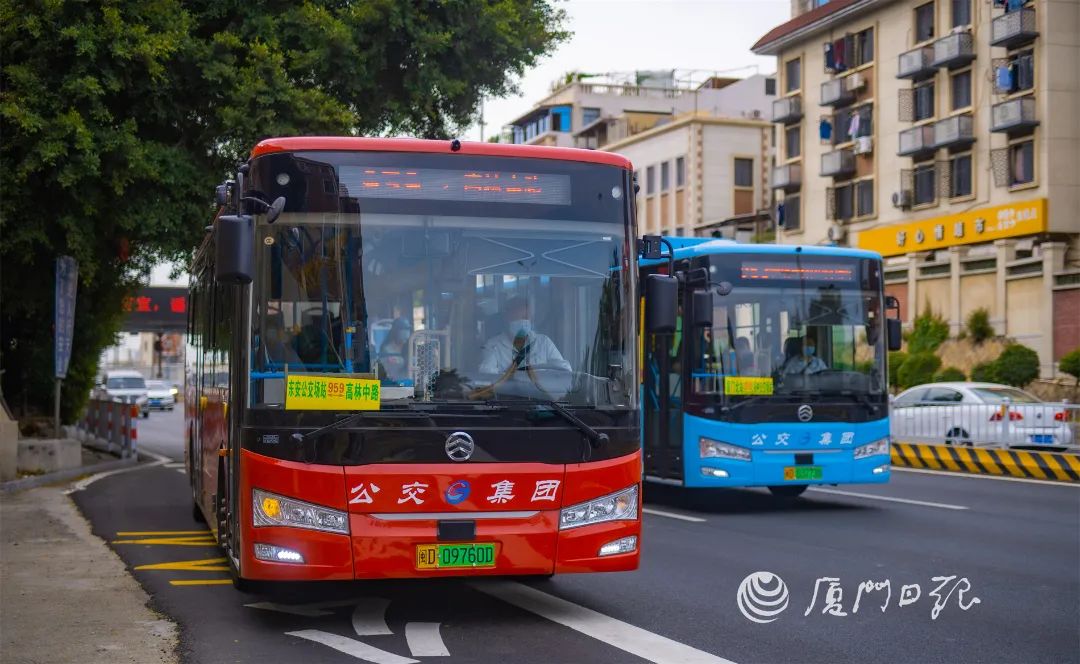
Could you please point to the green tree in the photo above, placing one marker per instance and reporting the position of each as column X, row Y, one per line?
column 949, row 375
column 978, row 325
column 896, row 360
column 1070, row 364
column 919, row 368
column 1017, row 365
column 928, row 331
column 119, row 116
column 984, row 372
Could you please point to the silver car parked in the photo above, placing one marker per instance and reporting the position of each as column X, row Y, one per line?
column 985, row 414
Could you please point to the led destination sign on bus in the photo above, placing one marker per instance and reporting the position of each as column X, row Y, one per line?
column 778, row 271
column 472, row 186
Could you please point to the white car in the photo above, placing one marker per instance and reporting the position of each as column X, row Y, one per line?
column 985, row 414
column 123, row 385
column 160, row 395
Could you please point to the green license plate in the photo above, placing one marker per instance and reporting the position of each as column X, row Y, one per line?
column 444, row 556
column 802, row 473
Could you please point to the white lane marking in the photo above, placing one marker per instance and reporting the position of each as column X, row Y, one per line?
column 175, row 464
column 182, row 471
column 673, row 515
column 369, row 616
column 979, row 476
column 891, row 499
column 624, row 636
column 314, row 610
column 357, row 649
column 424, row 640
column 87, row 481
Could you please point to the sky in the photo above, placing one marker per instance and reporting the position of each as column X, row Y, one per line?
column 629, row 35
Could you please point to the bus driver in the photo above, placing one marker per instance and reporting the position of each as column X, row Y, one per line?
column 519, row 344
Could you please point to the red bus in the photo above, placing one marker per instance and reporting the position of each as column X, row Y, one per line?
column 417, row 358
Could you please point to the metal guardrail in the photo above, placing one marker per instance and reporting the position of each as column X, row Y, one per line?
column 1030, row 426
column 113, row 424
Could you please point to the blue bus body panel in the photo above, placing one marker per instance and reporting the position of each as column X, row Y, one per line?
column 773, row 446
column 689, row 247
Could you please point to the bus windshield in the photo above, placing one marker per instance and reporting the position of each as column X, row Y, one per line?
column 812, row 330
column 446, row 278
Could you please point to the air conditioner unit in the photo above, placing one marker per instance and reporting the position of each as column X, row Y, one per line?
column 902, row 199
column 856, row 81
column 864, row 145
column 837, row 233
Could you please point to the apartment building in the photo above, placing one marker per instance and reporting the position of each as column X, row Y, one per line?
column 701, row 144
column 944, row 134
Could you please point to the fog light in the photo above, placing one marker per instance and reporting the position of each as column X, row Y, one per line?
column 881, row 469
column 623, row 545
column 708, row 471
column 277, row 554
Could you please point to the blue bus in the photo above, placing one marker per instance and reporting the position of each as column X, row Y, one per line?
column 775, row 374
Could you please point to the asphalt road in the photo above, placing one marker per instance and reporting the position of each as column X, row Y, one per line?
column 996, row 564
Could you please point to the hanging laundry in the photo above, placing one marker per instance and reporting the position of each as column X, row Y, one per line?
column 1014, row 5
column 853, row 127
column 825, row 129
column 1003, row 79
column 780, row 214
column 839, row 56
column 830, row 62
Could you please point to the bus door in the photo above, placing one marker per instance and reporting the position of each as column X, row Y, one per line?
column 663, row 404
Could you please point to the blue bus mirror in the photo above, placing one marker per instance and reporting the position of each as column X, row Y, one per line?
column 233, row 251
column 702, row 308
column 661, row 303
column 896, row 337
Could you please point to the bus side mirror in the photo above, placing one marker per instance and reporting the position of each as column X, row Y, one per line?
column 661, row 303
column 234, row 257
column 895, row 338
column 702, row 309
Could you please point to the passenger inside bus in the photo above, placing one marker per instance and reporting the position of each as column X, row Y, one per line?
column 393, row 359
column 278, row 345
column 519, row 345
column 800, row 358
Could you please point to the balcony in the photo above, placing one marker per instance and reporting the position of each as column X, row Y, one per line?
column 916, row 140
column 1014, row 29
column 954, row 132
column 836, row 93
column 917, row 64
column 838, row 163
column 787, row 109
column 954, row 50
column 787, row 177
column 1014, row 116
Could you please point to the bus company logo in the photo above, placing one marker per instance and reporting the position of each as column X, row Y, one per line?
column 805, row 413
column 457, row 492
column 762, row 597
column 459, row 446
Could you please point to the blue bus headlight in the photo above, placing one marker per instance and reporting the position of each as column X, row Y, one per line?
column 619, row 506
column 872, row 449
column 715, row 449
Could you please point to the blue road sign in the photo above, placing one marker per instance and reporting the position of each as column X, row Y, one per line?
column 67, row 278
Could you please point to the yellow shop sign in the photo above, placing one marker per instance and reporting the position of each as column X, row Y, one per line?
column 980, row 225
column 305, row 392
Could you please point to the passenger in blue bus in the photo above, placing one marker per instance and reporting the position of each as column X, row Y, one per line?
column 519, row 345
column 393, row 358
column 744, row 357
column 800, row 358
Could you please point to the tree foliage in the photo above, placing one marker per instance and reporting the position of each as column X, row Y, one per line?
column 1017, row 365
column 917, row 369
column 928, row 331
column 119, row 116
column 949, row 375
column 896, row 360
column 978, row 325
column 1070, row 364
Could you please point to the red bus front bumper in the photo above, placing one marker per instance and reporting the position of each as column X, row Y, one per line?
column 384, row 534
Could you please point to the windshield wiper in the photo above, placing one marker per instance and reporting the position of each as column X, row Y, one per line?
column 596, row 438
column 336, row 424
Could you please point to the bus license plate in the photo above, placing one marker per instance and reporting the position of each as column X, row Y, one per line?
column 802, row 473
column 444, row 556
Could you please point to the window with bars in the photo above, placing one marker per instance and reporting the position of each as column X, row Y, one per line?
column 960, row 176
column 924, row 22
column 680, row 171
column 793, row 141
column 924, row 184
column 960, row 84
column 744, row 172
column 792, row 213
column 923, row 108
column 864, row 198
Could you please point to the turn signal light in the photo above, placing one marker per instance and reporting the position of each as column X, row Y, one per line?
column 1013, row 416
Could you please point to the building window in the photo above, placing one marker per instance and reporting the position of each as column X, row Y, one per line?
column 960, row 176
column 863, row 48
column 680, row 171
column 589, row 116
column 1021, row 163
column 744, row 172
column 961, row 89
column 852, row 123
column 793, row 141
column 1017, row 74
column 679, row 232
column 925, row 181
column 924, row 22
column 650, row 180
column 665, row 176
column 864, row 198
column 844, row 202
column 793, row 75
column 789, row 216
column 770, row 87
column 961, row 13
column 924, row 101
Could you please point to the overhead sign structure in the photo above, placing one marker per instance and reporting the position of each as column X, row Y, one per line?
column 156, row 309
column 67, row 278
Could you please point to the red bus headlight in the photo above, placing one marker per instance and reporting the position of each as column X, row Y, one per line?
column 270, row 509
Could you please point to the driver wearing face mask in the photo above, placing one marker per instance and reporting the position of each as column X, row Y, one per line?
column 804, row 361
column 519, row 345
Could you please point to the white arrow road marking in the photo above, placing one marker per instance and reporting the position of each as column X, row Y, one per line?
column 611, row 631
column 357, row 649
column 424, row 640
column 314, row 610
column 369, row 616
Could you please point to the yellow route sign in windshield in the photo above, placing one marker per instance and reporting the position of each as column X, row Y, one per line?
column 331, row 393
column 747, row 386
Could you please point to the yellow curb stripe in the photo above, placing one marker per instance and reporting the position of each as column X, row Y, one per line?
column 1051, row 463
column 927, row 456
column 201, row 582
column 1007, row 463
column 965, row 456
column 909, row 456
column 987, row 461
column 1031, row 464
column 1073, row 461
column 171, row 541
column 947, row 454
column 137, row 533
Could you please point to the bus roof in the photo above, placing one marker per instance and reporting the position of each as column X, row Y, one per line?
column 688, row 247
column 347, row 143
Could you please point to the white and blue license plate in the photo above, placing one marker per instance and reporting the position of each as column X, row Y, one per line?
column 1042, row 438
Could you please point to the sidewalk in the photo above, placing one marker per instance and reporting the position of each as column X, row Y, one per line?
column 64, row 596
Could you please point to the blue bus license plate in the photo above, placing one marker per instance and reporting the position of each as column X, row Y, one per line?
column 802, row 473
column 1043, row 438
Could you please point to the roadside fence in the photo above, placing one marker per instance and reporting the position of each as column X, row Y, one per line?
column 1008, row 425
column 112, row 424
